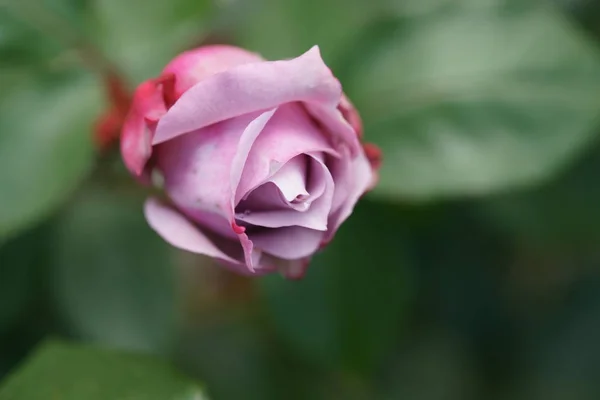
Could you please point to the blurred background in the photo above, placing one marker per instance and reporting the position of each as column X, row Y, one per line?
column 471, row 272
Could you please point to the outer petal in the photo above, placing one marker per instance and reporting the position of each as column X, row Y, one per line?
column 136, row 138
column 292, row 242
column 341, row 132
column 180, row 232
column 353, row 177
column 250, row 88
column 351, row 115
column 177, row 230
column 192, row 66
column 201, row 170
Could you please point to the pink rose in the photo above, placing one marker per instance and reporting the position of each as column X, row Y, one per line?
column 261, row 160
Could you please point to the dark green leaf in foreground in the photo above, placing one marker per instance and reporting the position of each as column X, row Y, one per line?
column 72, row 372
column 113, row 279
column 18, row 259
column 469, row 97
column 45, row 144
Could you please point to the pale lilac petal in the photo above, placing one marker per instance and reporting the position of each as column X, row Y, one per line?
column 352, row 179
column 290, row 243
column 192, row 66
column 351, row 115
column 291, row 179
column 289, row 133
column 180, row 232
column 315, row 213
column 216, row 222
column 243, row 150
column 249, row 88
column 252, row 255
column 336, row 126
column 266, row 197
column 199, row 168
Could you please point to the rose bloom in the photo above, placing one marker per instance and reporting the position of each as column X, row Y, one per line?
column 261, row 161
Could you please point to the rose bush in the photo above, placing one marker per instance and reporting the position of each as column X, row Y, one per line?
column 261, row 160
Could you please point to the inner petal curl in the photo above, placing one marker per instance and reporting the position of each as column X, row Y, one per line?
column 309, row 207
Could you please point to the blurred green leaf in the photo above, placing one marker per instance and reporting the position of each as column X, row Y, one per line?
column 281, row 29
column 586, row 12
column 20, row 44
column 43, row 33
column 113, row 281
column 470, row 97
column 350, row 306
column 45, row 145
column 74, row 372
column 18, row 259
column 142, row 36
column 562, row 215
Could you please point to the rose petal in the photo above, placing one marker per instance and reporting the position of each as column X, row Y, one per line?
column 200, row 168
column 190, row 67
column 249, row 88
column 290, row 243
column 266, row 197
column 291, row 179
column 340, row 131
column 315, row 216
column 136, row 137
column 180, row 232
column 351, row 115
column 281, row 191
column 215, row 222
column 352, row 178
column 289, row 133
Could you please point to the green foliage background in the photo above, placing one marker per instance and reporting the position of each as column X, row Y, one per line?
column 471, row 272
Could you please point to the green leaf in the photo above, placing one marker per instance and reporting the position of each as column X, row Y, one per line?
column 45, row 144
column 281, row 29
column 113, row 279
column 18, row 258
column 74, row 372
column 469, row 97
column 20, row 44
column 350, row 306
column 141, row 36
column 555, row 218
